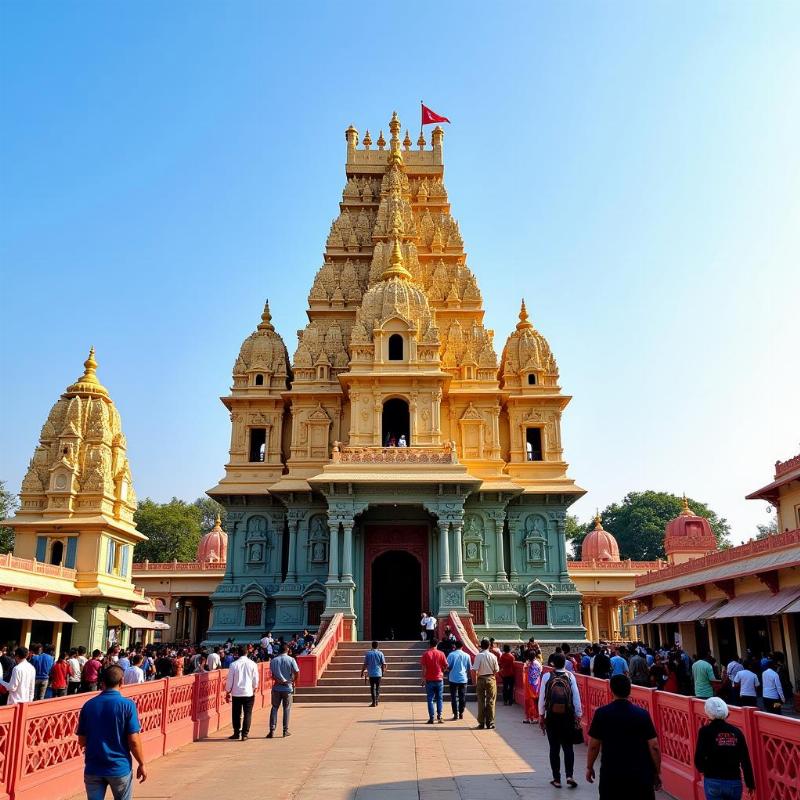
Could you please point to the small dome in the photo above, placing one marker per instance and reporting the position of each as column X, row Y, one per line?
column 213, row 547
column 599, row 545
column 263, row 350
column 527, row 351
column 689, row 533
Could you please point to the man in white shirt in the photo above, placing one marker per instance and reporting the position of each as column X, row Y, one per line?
column 772, row 691
column 486, row 668
column 747, row 682
column 134, row 673
column 23, row 679
column 75, row 671
column 214, row 660
column 241, row 685
column 266, row 641
column 430, row 626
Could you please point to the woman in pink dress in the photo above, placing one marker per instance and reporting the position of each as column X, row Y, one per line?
column 533, row 683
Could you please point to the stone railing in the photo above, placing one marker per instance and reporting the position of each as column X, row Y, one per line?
column 445, row 454
column 755, row 547
column 179, row 566
column 639, row 566
column 783, row 467
column 36, row 567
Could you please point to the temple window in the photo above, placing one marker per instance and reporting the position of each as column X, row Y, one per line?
column 57, row 553
column 258, row 444
column 533, row 444
column 315, row 609
column 478, row 610
column 538, row 612
column 259, row 380
column 469, row 373
column 252, row 615
column 395, row 347
column 396, row 430
column 531, row 379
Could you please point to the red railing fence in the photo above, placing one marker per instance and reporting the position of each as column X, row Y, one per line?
column 39, row 752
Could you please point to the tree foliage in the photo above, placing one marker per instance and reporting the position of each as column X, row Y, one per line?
column 639, row 521
column 8, row 507
column 769, row 529
column 173, row 530
column 209, row 511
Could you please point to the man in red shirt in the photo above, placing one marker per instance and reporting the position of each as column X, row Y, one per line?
column 507, row 674
column 91, row 672
column 58, row 676
column 433, row 664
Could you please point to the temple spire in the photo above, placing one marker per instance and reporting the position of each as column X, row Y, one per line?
column 598, row 525
column 396, row 268
column 88, row 383
column 266, row 319
column 686, row 511
column 523, row 318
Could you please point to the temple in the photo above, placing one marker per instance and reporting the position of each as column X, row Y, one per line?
column 395, row 465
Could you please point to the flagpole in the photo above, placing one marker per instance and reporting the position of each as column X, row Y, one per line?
column 420, row 117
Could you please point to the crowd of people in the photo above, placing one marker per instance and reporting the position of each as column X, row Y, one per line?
column 35, row 672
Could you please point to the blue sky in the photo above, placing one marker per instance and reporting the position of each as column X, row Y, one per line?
column 632, row 169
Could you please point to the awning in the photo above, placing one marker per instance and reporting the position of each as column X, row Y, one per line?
column 689, row 612
column 792, row 608
column 757, row 604
column 649, row 616
column 131, row 620
column 41, row 612
column 160, row 626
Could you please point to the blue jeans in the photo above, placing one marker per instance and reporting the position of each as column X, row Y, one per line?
column 719, row 789
column 121, row 788
column 434, row 690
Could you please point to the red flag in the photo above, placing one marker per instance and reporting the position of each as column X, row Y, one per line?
column 429, row 117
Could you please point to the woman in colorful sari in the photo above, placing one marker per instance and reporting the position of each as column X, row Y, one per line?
column 533, row 683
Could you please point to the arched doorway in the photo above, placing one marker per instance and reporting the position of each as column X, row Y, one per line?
column 396, row 595
column 396, row 422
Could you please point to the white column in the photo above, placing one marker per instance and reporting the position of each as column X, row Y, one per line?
column 333, row 553
column 501, row 565
column 458, row 568
column 444, row 551
column 347, row 551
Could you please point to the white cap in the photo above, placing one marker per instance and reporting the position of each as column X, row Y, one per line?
column 716, row 708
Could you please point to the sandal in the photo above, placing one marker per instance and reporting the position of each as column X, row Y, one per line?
column 526, row 722
column 555, row 783
column 572, row 783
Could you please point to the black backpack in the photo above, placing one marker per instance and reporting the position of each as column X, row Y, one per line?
column 558, row 694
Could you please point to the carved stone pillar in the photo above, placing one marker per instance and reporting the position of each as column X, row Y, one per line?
column 501, row 565
column 333, row 552
column 444, row 551
column 458, row 566
column 347, row 551
column 512, row 546
column 291, row 570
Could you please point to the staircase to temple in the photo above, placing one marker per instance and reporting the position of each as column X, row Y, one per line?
column 341, row 682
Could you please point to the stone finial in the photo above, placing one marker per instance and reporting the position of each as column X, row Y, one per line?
column 437, row 136
column 88, row 383
column 407, row 141
column 523, row 318
column 394, row 125
column 421, row 141
column 396, row 268
column 598, row 525
column 367, row 140
column 351, row 137
column 266, row 319
column 381, row 141
column 686, row 511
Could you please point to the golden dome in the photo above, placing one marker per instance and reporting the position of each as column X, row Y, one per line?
column 88, row 384
column 263, row 350
column 527, row 351
column 599, row 545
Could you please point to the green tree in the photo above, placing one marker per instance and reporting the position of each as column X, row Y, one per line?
column 575, row 531
column 769, row 529
column 173, row 530
column 209, row 510
column 639, row 521
column 8, row 507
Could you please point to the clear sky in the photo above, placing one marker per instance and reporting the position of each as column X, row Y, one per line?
column 632, row 169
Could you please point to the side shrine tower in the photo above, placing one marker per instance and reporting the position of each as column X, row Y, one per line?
column 396, row 467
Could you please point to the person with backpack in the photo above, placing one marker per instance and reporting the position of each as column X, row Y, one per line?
column 559, row 713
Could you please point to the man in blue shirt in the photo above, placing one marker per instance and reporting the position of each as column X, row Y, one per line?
column 374, row 666
column 284, row 671
column 619, row 666
column 108, row 731
column 43, row 662
column 458, row 666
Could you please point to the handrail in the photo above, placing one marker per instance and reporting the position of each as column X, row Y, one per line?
column 470, row 643
column 315, row 663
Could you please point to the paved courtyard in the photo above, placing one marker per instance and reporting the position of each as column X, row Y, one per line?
column 347, row 752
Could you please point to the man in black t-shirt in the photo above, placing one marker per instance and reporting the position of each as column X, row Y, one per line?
column 631, row 760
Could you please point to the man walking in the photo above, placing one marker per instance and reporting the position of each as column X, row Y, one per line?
column 284, row 672
column 458, row 667
column 486, row 669
column 214, row 659
column 559, row 712
column 703, row 675
column 108, row 732
column 375, row 667
column 631, row 760
column 639, row 671
column 772, row 690
column 433, row 665
column 241, row 685
column 90, row 674
column 23, row 679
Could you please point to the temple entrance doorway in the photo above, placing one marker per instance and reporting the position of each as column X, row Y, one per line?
column 396, row 423
column 395, row 580
column 396, row 596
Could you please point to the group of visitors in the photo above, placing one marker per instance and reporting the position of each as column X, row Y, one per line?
column 393, row 440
